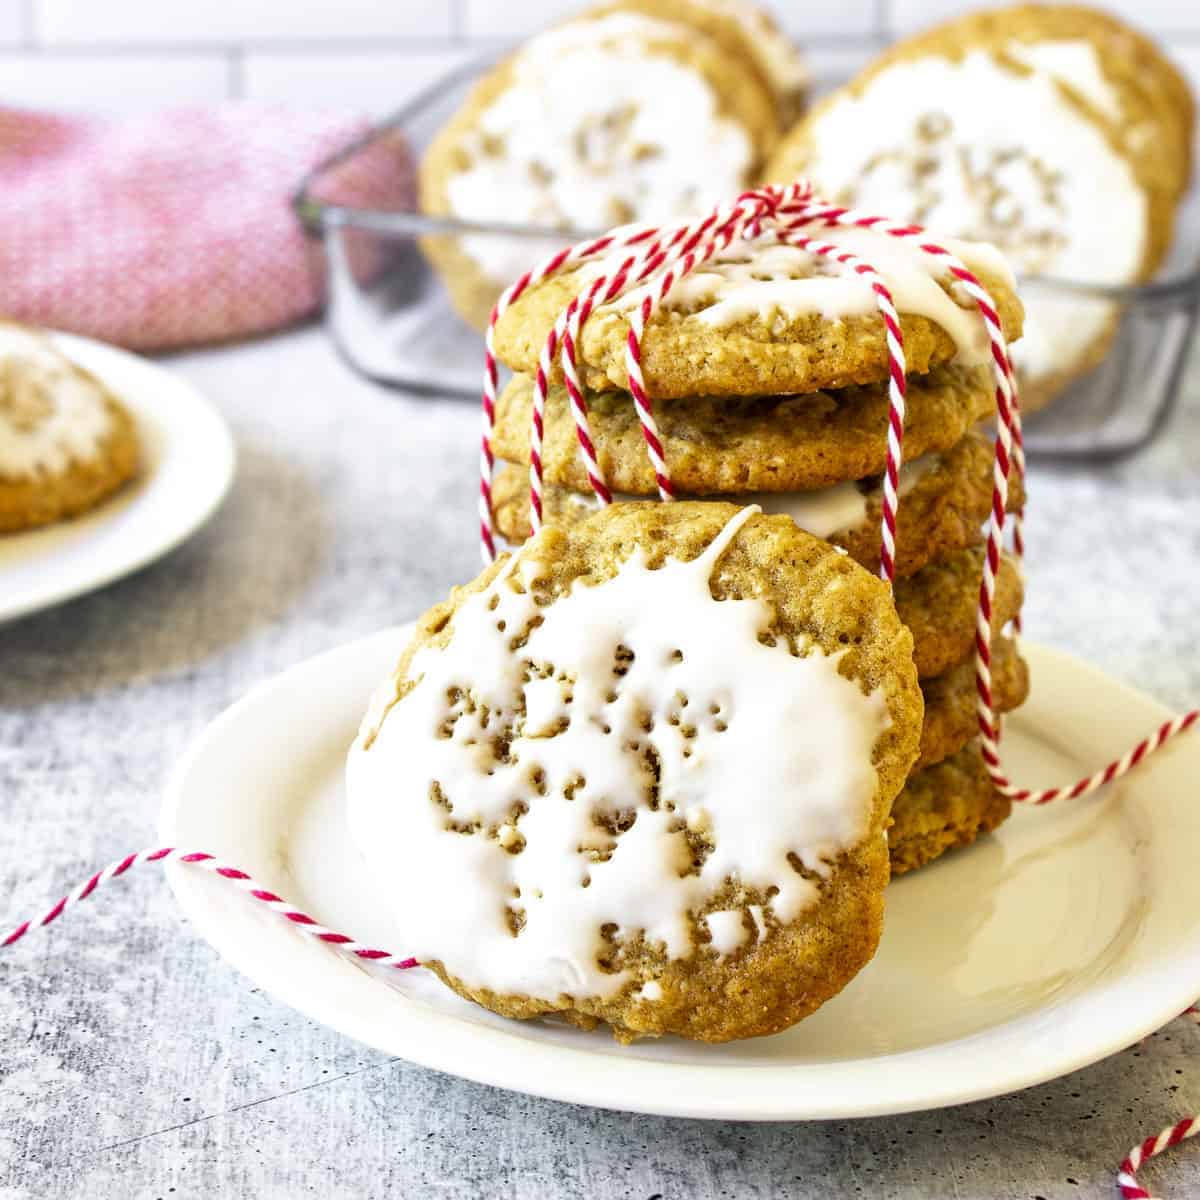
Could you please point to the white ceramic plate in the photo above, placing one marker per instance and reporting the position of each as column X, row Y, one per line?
column 187, row 467
column 1070, row 934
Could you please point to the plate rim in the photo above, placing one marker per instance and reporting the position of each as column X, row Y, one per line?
column 459, row 1055
column 198, row 407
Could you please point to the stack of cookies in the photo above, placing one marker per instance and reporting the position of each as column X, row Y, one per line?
column 768, row 372
column 1057, row 133
column 639, row 110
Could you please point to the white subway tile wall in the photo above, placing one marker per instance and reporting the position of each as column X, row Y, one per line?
column 124, row 22
column 112, row 83
column 1160, row 16
column 838, row 18
column 371, row 55
column 369, row 81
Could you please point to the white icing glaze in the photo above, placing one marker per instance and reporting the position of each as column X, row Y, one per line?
column 50, row 413
column 769, row 753
column 821, row 511
column 727, row 930
column 650, row 990
column 767, row 280
column 840, row 507
column 978, row 149
column 575, row 143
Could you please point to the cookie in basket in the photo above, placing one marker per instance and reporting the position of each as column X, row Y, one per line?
column 747, row 33
column 66, row 443
column 945, row 499
column 1111, row 69
column 1055, row 133
column 942, row 808
column 639, row 773
column 622, row 118
column 765, row 318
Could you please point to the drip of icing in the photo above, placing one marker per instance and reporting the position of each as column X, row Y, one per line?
column 657, row 712
column 1011, row 161
column 822, row 511
column 767, row 280
column 50, row 413
column 840, row 507
column 572, row 142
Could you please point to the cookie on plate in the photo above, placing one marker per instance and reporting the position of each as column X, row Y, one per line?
column 765, row 318
column 639, row 773
column 950, row 717
column 1055, row 133
column 66, row 443
column 938, row 604
column 945, row 499
column 942, row 808
column 604, row 121
column 747, row 33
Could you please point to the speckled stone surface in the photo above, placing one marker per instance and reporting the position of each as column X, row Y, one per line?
column 151, row 1069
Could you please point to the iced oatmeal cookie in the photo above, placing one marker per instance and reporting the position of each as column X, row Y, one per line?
column 939, row 602
column 639, row 773
column 950, row 717
column 66, row 443
column 945, row 499
column 1054, row 132
column 765, row 318
column 564, row 135
column 943, row 808
column 718, row 444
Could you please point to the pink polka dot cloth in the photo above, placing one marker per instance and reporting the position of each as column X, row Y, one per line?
column 176, row 228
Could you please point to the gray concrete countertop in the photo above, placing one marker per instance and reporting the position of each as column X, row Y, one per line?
column 135, row 1063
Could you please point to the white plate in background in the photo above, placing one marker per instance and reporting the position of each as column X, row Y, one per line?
column 1071, row 933
column 187, row 467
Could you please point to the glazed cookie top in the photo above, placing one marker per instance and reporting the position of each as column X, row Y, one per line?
column 745, row 444
column 761, row 317
column 561, row 135
column 746, row 31
column 52, row 413
column 584, row 748
column 994, row 130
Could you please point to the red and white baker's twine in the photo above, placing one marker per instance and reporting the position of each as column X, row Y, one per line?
column 659, row 258
column 236, row 876
column 791, row 214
